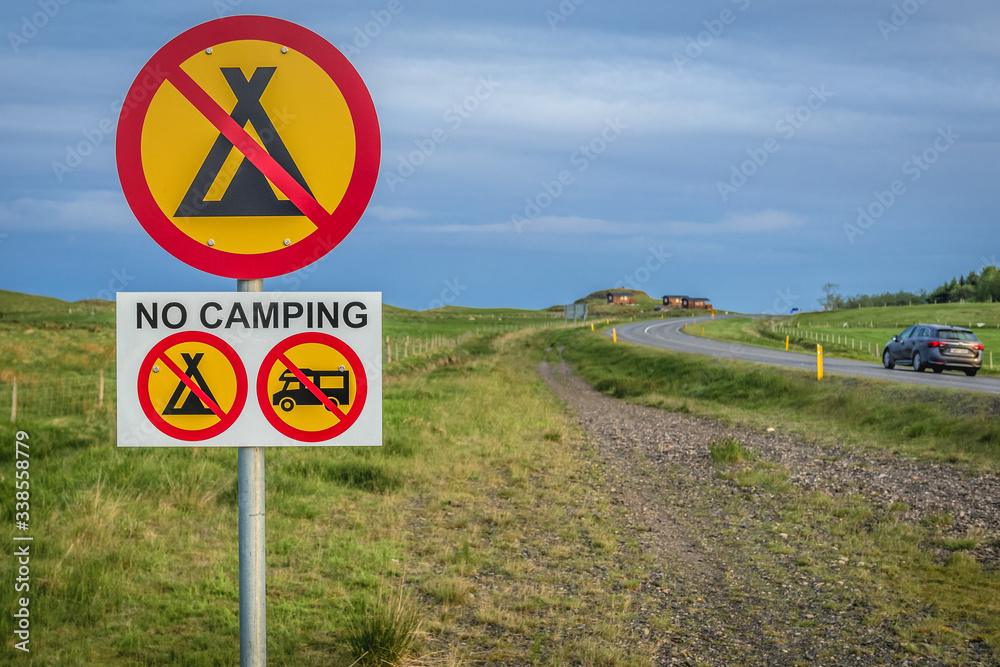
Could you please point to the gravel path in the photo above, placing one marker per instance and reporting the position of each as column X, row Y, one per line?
column 725, row 601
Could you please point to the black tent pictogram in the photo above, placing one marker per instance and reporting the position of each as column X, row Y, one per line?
column 249, row 193
column 192, row 404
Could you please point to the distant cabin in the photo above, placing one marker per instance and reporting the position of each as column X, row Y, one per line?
column 622, row 298
column 679, row 301
column 675, row 301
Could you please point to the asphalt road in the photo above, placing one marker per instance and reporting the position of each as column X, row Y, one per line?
column 668, row 335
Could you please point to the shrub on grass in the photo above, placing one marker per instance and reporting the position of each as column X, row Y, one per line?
column 384, row 633
column 729, row 450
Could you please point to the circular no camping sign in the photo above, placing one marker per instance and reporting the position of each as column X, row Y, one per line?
column 248, row 147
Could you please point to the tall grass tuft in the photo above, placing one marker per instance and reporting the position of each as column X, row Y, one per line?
column 384, row 634
column 729, row 450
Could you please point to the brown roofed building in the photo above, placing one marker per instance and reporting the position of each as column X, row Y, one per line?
column 621, row 298
column 675, row 301
column 694, row 303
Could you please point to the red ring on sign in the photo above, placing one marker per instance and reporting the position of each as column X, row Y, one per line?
column 331, row 230
column 158, row 351
column 264, row 397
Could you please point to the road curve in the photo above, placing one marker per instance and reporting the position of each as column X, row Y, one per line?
column 668, row 335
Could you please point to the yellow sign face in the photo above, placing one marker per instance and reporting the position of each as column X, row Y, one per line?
column 326, row 369
column 312, row 387
column 192, row 386
column 294, row 112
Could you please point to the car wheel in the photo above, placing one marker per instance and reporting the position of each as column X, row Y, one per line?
column 918, row 363
column 287, row 404
column 887, row 360
column 971, row 372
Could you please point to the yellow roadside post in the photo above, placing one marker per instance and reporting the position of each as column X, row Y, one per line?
column 786, row 343
column 614, row 334
column 703, row 331
column 591, row 326
column 819, row 362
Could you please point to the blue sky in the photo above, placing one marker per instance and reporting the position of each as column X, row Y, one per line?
column 749, row 151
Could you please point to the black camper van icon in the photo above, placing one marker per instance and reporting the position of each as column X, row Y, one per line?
column 335, row 385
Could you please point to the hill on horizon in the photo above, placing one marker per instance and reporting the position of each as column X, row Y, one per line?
column 600, row 298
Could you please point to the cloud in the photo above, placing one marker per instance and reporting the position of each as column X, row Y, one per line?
column 760, row 222
column 394, row 213
column 769, row 220
column 95, row 210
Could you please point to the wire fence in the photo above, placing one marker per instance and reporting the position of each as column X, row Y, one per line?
column 34, row 397
column 44, row 397
column 402, row 347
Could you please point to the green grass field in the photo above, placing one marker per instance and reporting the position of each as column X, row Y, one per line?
column 135, row 560
column 485, row 505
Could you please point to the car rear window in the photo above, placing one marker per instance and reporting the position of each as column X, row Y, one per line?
column 951, row 334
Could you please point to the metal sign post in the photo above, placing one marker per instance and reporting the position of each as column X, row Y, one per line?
column 325, row 166
column 253, row 571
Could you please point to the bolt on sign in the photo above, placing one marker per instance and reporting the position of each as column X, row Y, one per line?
column 187, row 361
column 248, row 147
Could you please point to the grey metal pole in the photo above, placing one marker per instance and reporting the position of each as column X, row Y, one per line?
column 253, row 601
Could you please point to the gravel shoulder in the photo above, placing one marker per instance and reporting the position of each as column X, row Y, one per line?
column 728, row 593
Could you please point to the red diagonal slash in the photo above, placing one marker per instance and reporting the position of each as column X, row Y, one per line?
column 192, row 385
column 307, row 383
column 245, row 144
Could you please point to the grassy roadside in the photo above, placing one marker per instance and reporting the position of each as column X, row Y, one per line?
column 851, row 550
column 466, row 507
column 922, row 422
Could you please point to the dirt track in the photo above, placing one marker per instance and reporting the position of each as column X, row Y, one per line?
column 730, row 596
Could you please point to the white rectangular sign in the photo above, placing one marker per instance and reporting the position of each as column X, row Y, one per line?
column 249, row 369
